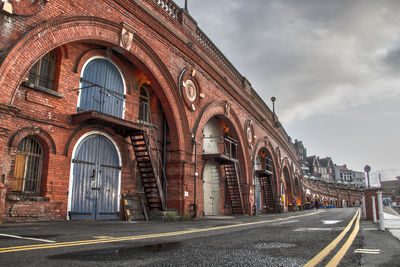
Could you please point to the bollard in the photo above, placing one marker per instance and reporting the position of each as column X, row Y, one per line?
column 380, row 208
column 373, row 209
column 364, row 209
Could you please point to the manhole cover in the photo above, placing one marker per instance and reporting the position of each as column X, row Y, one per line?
column 274, row 245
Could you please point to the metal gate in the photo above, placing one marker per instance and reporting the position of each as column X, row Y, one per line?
column 211, row 189
column 96, row 172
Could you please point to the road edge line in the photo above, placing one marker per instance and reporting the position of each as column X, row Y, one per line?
column 343, row 250
column 321, row 255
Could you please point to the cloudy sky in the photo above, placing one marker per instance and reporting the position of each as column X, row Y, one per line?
column 334, row 67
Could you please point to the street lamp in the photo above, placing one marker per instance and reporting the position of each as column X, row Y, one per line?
column 367, row 169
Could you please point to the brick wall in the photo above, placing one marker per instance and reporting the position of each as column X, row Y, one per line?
column 79, row 30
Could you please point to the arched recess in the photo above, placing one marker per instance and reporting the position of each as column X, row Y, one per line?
column 264, row 143
column 47, row 144
column 267, row 175
column 214, row 109
column 299, row 191
column 286, row 176
column 45, row 138
column 229, row 122
column 60, row 31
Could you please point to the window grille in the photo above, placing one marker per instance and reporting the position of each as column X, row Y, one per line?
column 28, row 166
column 42, row 73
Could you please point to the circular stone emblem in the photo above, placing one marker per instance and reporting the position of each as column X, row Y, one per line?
column 190, row 90
column 249, row 135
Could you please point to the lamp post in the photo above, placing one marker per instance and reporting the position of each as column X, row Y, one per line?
column 367, row 169
column 273, row 99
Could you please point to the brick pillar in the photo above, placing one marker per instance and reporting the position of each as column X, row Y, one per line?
column 368, row 203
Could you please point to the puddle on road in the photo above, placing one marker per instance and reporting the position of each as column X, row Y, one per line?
column 270, row 245
column 122, row 253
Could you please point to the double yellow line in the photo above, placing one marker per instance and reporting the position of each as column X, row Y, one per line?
column 343, row 250
column 139, row 237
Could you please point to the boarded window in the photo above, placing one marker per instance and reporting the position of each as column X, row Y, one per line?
column 28, row 166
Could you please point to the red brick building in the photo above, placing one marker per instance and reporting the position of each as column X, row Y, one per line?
column 105, row 98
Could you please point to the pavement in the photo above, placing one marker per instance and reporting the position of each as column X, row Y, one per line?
column 369, row 236
column 392, row 223
column 386, row 242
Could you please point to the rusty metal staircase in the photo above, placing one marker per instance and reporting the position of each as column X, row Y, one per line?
column 233, row 185
column 148, row 171
column 266, row 186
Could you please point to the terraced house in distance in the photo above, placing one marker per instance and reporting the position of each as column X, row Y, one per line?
column 106, row 99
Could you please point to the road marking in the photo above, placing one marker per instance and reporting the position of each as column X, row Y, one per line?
column 141, row 237
column 367, row 251
column 343, row 250
column 331, row 222
column 318, row 229
column 28, row 238
column 287, row 222
column 370, row 229
column 320, row 256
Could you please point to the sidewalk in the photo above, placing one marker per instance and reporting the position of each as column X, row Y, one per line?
column 392, row 223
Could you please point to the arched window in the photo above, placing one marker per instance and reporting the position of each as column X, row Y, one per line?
column 102, row 88
column 144, row 104
column 28, row 166
column 42, row 73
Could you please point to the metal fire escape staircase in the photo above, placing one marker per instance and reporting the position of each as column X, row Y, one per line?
column 266, row 175
column 233, row 185
column 266, row 186
column 148, row 171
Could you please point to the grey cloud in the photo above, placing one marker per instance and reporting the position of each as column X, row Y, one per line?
column 320, row 58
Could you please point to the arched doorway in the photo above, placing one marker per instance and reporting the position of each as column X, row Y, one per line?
column 95, row 183
column 102, row 88
column 211, row 192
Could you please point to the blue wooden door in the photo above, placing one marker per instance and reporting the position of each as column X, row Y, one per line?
column 102, row 88
column 95, row 188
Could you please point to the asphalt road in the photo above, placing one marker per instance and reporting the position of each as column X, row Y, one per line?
column 291, row 239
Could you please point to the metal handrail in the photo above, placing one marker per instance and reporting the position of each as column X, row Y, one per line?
column 226, row 146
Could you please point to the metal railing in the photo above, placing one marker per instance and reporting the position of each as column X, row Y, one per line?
column 224, row 145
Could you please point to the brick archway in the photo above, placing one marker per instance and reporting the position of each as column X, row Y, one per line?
column 58, row 32
column 271, row 151
column 218, row 109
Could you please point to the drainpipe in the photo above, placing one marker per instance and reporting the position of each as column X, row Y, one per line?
column 164, row 160
column 195, row 176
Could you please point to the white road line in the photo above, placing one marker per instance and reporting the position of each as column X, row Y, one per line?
column 28, row 238
column 318, row 229
column 285, row 222
column 367, row 251
column 331, row 221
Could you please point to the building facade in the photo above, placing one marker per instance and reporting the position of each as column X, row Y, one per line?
column 107, row 98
